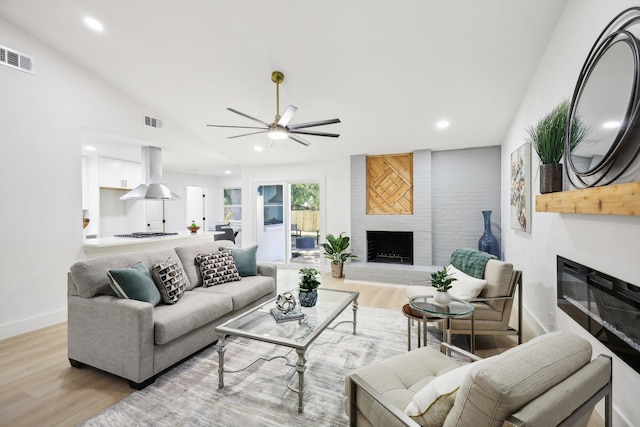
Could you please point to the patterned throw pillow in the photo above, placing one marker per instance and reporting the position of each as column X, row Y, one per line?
column 217, row 268
column 170, row 280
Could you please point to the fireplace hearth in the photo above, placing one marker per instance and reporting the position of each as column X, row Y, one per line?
column 607, row 307
column 393, row 247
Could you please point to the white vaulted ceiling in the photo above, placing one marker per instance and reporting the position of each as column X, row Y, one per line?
column 388, row 70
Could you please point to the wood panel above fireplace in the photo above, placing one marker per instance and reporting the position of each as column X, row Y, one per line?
column 390, row 184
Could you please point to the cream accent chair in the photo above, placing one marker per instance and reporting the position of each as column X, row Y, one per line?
column 549, row 381
column 493, row 305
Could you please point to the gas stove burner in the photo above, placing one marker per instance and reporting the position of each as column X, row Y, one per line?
column 143, row 234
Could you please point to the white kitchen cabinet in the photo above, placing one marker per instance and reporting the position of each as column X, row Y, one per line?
column 114, row 173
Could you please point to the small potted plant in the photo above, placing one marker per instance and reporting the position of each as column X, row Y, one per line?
column 193, row 227
column 442, row 282
column 334, row 250
column 548, row 139
column 308, row 294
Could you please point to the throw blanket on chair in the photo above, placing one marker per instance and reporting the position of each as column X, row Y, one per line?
column 470, row 261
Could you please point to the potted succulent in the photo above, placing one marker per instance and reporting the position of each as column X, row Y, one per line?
column 193, row 227
column 308, row 293
column 548, row 137
column 442, row 282
column 334, row 250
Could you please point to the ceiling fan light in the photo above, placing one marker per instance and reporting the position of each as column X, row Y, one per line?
column 278, row 134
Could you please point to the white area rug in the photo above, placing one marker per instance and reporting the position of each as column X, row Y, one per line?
column 188, row 395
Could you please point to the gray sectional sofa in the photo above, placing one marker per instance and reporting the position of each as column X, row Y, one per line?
column 137, row 341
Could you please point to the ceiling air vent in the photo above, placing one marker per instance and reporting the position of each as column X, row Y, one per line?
column 14, row 59
column 153, row 122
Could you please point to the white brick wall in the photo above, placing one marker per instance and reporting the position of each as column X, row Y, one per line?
column 464, row 183
column 419, row 223
column 451, row 188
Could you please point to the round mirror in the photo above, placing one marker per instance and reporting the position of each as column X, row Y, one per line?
column 602, row 106
column 606, row 100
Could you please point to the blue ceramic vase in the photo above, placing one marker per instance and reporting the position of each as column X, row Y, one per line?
column 488, row 242
column 308, row 298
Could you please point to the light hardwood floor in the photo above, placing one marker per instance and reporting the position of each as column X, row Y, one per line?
column 38, row 387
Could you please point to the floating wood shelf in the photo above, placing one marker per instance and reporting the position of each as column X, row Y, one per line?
column 619, row 199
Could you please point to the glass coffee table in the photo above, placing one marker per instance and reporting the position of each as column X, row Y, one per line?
column 457, row 308
column 258, row 324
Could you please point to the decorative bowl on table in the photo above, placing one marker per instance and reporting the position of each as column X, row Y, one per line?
column 193, row 229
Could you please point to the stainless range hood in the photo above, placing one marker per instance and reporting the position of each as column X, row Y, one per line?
column 152, row 188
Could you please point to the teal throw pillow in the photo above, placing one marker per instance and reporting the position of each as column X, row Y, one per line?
column 245, row 259
column 135, row 283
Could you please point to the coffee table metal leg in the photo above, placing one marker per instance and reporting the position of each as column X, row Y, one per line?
column 409, row 334
column 355, row 312
column 220, row 348
column 300, row 367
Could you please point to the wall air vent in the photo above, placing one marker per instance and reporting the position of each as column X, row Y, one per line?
column 14, row 59
column 153, row 122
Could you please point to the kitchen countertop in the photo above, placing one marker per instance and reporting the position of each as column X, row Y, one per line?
column 113, row 245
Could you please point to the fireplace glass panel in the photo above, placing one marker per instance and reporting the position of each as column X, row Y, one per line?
column 607, row 307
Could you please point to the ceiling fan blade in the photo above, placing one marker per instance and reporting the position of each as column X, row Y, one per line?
column 235, row 127
column 246, row 134
column 299, row 140
column 312, row 124
column 287, row 116
column 310, row 132
column 270, row 142
column 248, row 116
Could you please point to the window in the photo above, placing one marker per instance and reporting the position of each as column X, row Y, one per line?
column 232, row 204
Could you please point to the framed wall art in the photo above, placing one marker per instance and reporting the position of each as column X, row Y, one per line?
column 521, row 188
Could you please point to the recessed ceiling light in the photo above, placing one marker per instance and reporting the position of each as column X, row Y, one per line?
column 227, row 172
column 611, row 125
column 89, row 148
column 94, row 24
column 443, row 124
column 258, row 148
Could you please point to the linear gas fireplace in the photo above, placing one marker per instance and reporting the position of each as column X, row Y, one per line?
column 607, row 307
column 395, row 247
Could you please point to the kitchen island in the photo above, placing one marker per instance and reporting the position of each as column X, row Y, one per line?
column 117, row 245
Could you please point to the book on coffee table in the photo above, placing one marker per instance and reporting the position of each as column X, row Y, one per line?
column 281, row 316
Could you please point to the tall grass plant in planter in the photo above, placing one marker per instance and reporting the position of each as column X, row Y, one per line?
column 335, row 250
column 547, row 138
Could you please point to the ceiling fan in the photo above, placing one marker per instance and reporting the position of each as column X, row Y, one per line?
column 280, row 128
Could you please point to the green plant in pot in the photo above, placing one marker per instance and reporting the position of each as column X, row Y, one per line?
column 334, row 249
column 308, row 293
column 548, row 137
column 193, row 227
column 441, row 280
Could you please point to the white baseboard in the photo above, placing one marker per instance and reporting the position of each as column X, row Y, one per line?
column 23, row 326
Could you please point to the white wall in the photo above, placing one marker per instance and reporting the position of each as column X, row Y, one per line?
column 42, row 117
column 610, row 244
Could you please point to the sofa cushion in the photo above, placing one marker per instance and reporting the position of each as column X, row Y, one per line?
column 498, row 276
column 464, row 287
column 488, row 395
column 90, row 278
column 134, row 282
column 170, row 280
column 244, row 292
column 400, row 377
column 217, row 268
column 187, row 255
column 194, row 310
column 246, row 260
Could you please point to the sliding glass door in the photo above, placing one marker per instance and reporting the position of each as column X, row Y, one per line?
column 288, row 223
